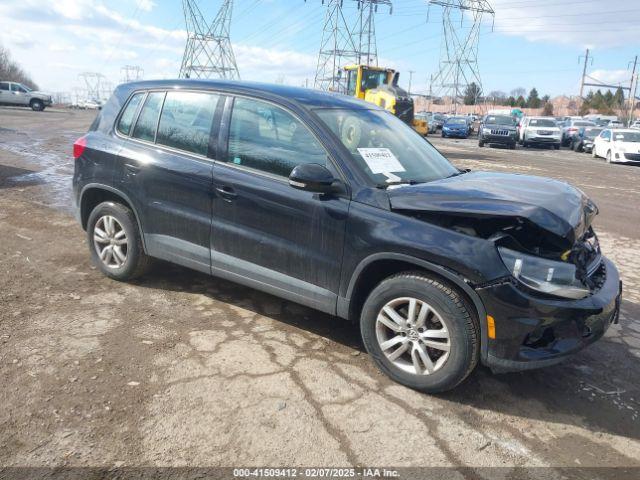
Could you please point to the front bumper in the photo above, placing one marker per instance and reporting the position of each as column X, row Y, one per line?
column 503, row 139
column 544, row 139
column 533, row 332
column 455, row 133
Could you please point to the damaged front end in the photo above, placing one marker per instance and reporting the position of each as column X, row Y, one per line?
column 540, row 227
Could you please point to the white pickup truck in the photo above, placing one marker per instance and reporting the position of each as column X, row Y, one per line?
column 17, row 94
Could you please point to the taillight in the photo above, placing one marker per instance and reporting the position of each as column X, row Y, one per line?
column 79, row 146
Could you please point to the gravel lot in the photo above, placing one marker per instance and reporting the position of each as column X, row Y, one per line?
column 180, row 369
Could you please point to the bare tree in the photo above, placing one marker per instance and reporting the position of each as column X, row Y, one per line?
column 518, row 92
column 12, row 72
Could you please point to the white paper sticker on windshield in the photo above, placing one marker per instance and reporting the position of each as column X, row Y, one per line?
column 619, row 137
column 381, row 160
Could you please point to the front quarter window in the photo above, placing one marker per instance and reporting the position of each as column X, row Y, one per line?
column 385, row 148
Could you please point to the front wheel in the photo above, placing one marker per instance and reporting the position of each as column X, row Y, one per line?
column 420, row 332
column 37, row 105
column 480, row 143
column 608, row 157
column 115, row 243
column 593, row 152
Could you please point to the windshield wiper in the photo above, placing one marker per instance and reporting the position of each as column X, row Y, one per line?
column 459, row 172
column 397, row 182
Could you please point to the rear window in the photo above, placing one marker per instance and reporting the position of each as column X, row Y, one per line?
column 145, row 128
column 124, row 125
column 542, row 122
column 185, row 122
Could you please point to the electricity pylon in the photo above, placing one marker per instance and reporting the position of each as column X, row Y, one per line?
column 346, row 41
column 459, row 51
column 131, row 73
column 208, row 53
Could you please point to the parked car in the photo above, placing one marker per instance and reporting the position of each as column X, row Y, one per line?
column 571, row 127
column 635, row 125
column 497, row 129
column 456, row 127
column 617, row 145
column 438, row 120
column 17, row 94
column 583, row 140
column 333, row 203
column 540, row 131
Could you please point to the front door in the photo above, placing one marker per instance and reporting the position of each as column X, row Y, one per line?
column 266, row 233
column 171, row 174
column 20, row 94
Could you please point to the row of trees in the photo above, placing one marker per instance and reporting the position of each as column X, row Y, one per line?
column 517, row 98
column 12, row 71
column 606, row 103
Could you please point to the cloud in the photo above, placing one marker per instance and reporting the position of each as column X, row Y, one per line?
column 588, row 24
column 146, row 5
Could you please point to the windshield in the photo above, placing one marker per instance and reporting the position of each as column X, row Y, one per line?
column 456, row 121
column 542, row 122
column 499, row 120
column 626, row 136
column 385, row 148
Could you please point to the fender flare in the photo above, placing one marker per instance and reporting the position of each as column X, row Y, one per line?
column 451, row 276
column 124, row 196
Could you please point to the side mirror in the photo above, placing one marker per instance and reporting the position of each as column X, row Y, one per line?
column 312, row 177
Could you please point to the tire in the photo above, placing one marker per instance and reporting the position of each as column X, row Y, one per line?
column 135, row 262
column 36, row 105
column 442, row 135
column 557, row 147
column 608, row 157
column 572, row 146
column 579, row 148
column 512, row 146
column 447, row 311
column 480, row 143
column 593, row 152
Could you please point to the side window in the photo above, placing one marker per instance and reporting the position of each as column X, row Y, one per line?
column 124, row 125
column 185, row 122
column 145, row 128
column 17, row 88
column 4, row 86
column 267, row 138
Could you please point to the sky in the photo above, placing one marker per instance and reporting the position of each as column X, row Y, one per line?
column 527, row 44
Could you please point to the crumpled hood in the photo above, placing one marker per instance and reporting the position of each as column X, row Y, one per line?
column 554, row 206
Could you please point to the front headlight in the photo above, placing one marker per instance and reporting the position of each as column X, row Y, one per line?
column 486, row 131
column 544, row 275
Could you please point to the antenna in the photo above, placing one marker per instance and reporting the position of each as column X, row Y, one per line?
column 208, row 53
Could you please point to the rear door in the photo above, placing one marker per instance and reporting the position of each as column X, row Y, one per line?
column 266, row 233
column 5, row 92
column 167, row 165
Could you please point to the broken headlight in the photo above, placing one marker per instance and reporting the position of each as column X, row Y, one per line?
column 544, row 275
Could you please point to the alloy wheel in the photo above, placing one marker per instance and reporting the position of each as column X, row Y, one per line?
column 110, row 242
column 413, row 336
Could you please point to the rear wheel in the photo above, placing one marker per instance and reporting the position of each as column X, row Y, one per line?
column 608, row 157
column 115, row 243
column 419, row 332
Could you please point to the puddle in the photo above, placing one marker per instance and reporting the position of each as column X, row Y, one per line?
column 54, row 158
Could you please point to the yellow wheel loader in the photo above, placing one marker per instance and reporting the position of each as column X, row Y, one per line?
column 379, row 85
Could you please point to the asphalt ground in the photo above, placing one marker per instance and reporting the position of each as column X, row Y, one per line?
column 182, row 369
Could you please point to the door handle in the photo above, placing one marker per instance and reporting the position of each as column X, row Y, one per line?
column 131, row 169
column 227, row 193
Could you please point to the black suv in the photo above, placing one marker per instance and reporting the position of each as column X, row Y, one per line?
column 498, row 129
column 334, row 203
